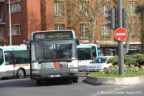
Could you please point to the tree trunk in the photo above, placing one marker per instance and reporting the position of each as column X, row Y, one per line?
column 128, row 40
column 93, row 31
column 68, row 9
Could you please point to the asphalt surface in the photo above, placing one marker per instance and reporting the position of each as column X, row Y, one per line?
column 27, row 87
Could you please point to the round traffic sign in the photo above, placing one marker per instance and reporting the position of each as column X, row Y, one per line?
column 120, row 34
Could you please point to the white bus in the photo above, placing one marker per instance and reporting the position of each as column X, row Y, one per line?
column 86, row 53
column 53, row 55
column 14, row 61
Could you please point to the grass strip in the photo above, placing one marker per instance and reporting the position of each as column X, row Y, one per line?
column 102, row 74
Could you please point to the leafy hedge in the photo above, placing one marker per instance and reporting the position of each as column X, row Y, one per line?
column 136, row 60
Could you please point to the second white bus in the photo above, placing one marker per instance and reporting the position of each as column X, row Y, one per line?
column 86, row 53
column 14, row 61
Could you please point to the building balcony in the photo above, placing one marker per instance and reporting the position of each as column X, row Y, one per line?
column 2, row 1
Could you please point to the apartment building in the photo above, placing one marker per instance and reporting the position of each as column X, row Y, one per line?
column 33, row 15
column 25, row 18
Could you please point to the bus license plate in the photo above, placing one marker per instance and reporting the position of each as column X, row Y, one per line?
column 52, row 76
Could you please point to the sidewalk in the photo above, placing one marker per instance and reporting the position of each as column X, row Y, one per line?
column 115, row 81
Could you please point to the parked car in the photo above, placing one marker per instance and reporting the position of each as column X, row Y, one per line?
column 98, row 64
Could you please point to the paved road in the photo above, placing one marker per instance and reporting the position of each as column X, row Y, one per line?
column 27, row 87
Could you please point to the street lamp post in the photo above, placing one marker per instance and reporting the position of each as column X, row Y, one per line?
column 10, row 27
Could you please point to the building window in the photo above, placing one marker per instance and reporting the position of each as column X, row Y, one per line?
column 59, row 8
column 15, row 7
column 131, row 8
column 1, row 33
column 59, row 27
column 105, row 32
column 105, row 10
column 84, row 7
column 16, row 30
column 84, row 30
column 1, row 16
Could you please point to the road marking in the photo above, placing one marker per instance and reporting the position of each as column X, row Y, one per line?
column 115, row 91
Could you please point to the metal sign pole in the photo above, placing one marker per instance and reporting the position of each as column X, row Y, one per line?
column 120, row 42
column 10, row 33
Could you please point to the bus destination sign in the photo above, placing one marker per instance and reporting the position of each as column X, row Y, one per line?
column 53, row 35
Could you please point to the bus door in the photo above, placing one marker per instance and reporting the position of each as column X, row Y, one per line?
column 8, row 64
column 94, row 52
column 1, row 64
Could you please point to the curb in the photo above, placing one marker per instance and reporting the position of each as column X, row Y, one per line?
column 115, row 81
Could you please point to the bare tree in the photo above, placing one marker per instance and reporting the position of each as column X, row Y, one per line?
column 140, row 11
column 85, row 10
column 132, row 27
column 132, row 22
column 76, row 11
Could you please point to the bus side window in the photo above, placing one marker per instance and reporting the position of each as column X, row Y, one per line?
column 8, row 58
column 21, row 57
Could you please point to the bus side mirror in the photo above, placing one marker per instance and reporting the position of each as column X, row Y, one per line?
column 28, row 45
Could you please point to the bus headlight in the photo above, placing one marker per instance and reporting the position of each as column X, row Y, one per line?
column 73, row 64
column 35, row 66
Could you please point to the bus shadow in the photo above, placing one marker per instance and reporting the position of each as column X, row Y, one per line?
column 55, row 82
column 22, row 83
column 12, row 82
column 11, row 78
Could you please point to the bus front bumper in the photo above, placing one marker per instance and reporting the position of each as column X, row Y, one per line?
column 54, row 73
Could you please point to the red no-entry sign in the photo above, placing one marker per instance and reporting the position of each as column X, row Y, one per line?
column 120, row 34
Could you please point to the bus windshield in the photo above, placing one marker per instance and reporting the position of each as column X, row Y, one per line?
column 84, row 54
column 47, row 51
column 1, row 56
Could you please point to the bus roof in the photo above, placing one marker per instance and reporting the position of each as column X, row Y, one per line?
column 45, row 31
column 86, row 45
column 51, row 31
column 14, row 48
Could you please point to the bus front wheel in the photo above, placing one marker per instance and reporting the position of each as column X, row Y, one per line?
column 75, row 79
column 20, row 74
column 39, row 82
